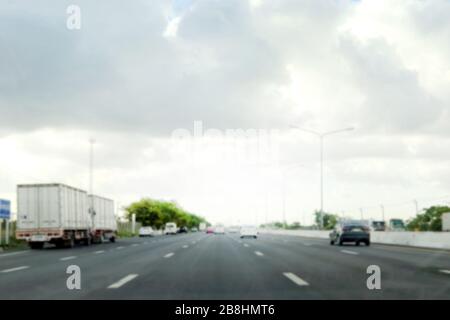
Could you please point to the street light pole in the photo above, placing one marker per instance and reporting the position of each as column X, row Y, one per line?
column 91, row 165
column 284, row 171
column 321, row 179
column 91, row 179
column 321, row 136
column 284, row 203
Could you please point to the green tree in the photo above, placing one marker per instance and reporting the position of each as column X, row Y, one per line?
column 429, row 220
column 157, row 213
column 329, row 219
column 294, row 226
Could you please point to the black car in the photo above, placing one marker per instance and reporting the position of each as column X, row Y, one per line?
column 350, row 232
column 183, row 230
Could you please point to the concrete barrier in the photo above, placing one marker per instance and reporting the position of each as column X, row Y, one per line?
column 438, row 240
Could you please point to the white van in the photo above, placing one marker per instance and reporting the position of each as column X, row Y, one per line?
column 146, row 232
column 170, row 228
column 249, row 232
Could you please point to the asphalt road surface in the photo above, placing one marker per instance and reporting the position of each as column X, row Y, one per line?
column 201, row 266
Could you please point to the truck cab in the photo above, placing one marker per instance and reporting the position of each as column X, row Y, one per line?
column 396, row 225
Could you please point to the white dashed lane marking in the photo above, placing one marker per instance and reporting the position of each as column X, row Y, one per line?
column 258, row 253
column 295, row 279
column 350, row 252
column 12, row 254
column 122, row 281
column 68, row 258
column 169, row 255
column 14, row 269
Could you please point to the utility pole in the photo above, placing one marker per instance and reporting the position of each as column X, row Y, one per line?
column 417, row 206
column 382, row 212
column 362, row 213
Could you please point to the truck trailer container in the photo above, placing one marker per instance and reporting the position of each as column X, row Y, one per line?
column 58, row 214
column 104, row 225
column 446, row 221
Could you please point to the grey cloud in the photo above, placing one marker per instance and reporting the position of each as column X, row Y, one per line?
column 119, row 73
column 393, row 98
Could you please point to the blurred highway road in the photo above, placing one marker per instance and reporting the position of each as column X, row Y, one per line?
column 201, row 266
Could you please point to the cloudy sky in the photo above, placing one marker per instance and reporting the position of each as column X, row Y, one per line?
column 193, row 101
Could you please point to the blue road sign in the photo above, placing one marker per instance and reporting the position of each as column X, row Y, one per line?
column 5, row 209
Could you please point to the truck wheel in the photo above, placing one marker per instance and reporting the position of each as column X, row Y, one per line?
column 112, row 239
column 59, row 244
column 88, row 241
column 70, row 243
column 36, row 245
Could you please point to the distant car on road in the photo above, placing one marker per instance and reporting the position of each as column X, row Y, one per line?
column 249, row 232
column 146, row 232
column 219, row 229
column 350, row 232
column 170, row 228
column 183, row 230
column 210, row 230
column 194, row 229
column 233, row 229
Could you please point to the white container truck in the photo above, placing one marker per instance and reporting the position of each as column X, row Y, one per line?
column 446, row 221
column 104, row 225
column 55, row 213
